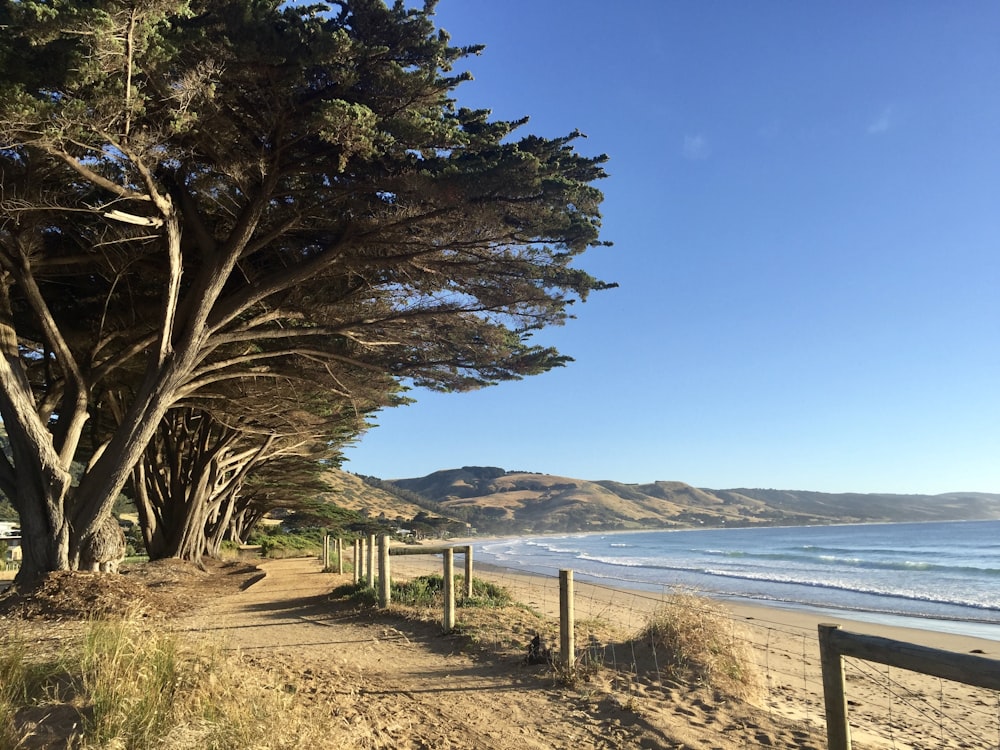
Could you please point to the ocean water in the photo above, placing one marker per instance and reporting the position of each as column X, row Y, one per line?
column 939, row 576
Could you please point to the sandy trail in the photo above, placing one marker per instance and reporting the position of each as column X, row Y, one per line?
column 386, row 683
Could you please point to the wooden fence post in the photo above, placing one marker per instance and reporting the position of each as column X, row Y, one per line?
column 370, row 566
column 326, row 553
column 340, row 556
column 384, row 583
column 357, row 561
column 468, row 571
column 838, row 731
column 567, row 647
column 361, row 558
column 449, row 590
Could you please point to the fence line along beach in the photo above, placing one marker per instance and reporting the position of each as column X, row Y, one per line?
column 780, row 584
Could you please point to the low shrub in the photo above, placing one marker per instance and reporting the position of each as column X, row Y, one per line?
column 276, row 543
column 359, row 593
column 484, row 594
column 423, row 591
column 428, row 591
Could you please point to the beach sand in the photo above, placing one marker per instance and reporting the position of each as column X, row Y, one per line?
column 887, row 707
column 372, row 679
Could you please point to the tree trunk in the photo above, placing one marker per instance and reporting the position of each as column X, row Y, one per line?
column 150, row 521
column 45, row 535
column 172, row 513
column 177, row 483
column 221, row 521
column 188, row 482
column 242, row 524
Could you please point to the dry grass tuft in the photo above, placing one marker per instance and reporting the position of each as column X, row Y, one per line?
column 128, row 686
column 697, row 641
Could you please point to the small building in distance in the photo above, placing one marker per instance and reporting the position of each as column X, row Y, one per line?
column 10, row 534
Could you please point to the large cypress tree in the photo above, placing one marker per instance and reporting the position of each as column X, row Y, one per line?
column 193, row 191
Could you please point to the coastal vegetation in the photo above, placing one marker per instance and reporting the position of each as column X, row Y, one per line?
column 698, row 642
column 230, row 231
column 122, row 683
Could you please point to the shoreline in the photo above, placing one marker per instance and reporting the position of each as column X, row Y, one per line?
column 907, row 628
column 889, row 707
column 925, row 610
column 974, row 629
column 898, row 627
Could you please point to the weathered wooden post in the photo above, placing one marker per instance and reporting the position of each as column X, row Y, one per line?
column 468, row 571
column 838, row 731
column 384, row 584
column 326, row 552
column 449, row 590
column 567, row 647
column 357, row 561
column 340, row 556
column 370, row 564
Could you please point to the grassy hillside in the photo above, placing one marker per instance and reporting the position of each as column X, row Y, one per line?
column 350, row 492
column 957, row 506
column 497, row 501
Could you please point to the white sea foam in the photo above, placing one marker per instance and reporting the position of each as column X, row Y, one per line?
column 944, row 571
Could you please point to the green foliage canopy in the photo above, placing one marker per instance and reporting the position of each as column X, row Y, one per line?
column 194, row 192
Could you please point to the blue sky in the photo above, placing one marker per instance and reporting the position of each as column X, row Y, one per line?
column 804, row 202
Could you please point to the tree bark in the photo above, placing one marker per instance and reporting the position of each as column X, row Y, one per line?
column 34, row 467
column 188, row 482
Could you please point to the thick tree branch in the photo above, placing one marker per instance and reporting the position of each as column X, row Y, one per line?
column 93, row 177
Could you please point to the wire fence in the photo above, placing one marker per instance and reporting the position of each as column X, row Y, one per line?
column 911, row 710
column 889, row 707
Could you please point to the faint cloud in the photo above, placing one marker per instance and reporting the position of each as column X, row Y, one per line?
column 696, row 147
column 882, row 123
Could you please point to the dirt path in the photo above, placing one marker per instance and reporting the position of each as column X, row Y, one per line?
column 386, row 687
column 387, row 683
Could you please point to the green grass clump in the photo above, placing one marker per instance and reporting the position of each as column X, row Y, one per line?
column 359, row 593
column 276, row 544
column 484, row 594
column 428, row 591
column 698, row 641
column 423, row 591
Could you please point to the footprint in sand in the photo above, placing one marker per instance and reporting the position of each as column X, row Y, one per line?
column 764, row 739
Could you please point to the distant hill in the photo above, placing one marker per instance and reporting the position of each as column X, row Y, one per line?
column 495, row 500
column 952, row 506
column 351, row 492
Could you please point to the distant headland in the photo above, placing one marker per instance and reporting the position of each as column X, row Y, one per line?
column 497, row 501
